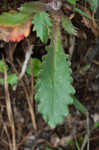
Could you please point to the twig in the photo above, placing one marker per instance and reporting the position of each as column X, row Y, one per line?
column 32, row 83
column 88, row 131
column 9, row 140
column 86, row 139
column 26, row 78
column 27, row 57
column 9, row 109
column 72, row 45
column 24, row 139
column 12, row 47
column 30, row 107
column 28, row 100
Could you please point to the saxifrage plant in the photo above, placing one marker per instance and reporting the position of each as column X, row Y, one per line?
column 54, row 85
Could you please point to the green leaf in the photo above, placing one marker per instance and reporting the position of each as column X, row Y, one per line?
column 73, row 2
column 42, row 24
column 96, row 125
column 94, row 4
column 36, row 65
column 68, row 26
column 70, row 142
column 12, row 18
column 2, row 66
column 47, row 148
column 79, row 106
column 12, row 79
column 2, row 81
column 82, row 12
column 54, row 87
column 77, row 144
column 32, row 7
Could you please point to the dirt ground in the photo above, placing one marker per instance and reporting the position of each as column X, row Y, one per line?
column 36, row 134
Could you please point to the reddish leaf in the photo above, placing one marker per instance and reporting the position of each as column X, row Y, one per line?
column 16, row 32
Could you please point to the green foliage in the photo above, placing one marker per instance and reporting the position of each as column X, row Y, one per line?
column 77, row 144
column 68, row 26
column 73, row 2
column 42, row 24
column 70, row 142
column 79, row 106
column 12, row 18
column 33, row 65
column 82, row 12
column 54, row 87
column 94, row 4
column 2, row 64
column 96, row 125
column 1, row 81
column 47, row 148
column 32, row 7
column 74, row 143
column 12, row 78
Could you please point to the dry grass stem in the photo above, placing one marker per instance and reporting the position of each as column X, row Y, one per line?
column 9, row 110
column 28, row 97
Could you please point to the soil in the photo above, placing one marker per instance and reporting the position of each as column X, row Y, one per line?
column 36, row 134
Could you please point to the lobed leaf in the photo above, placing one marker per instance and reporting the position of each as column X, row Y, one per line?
column 32, row 7
column 54, row 87
column 42, row 24
column 68, row 26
